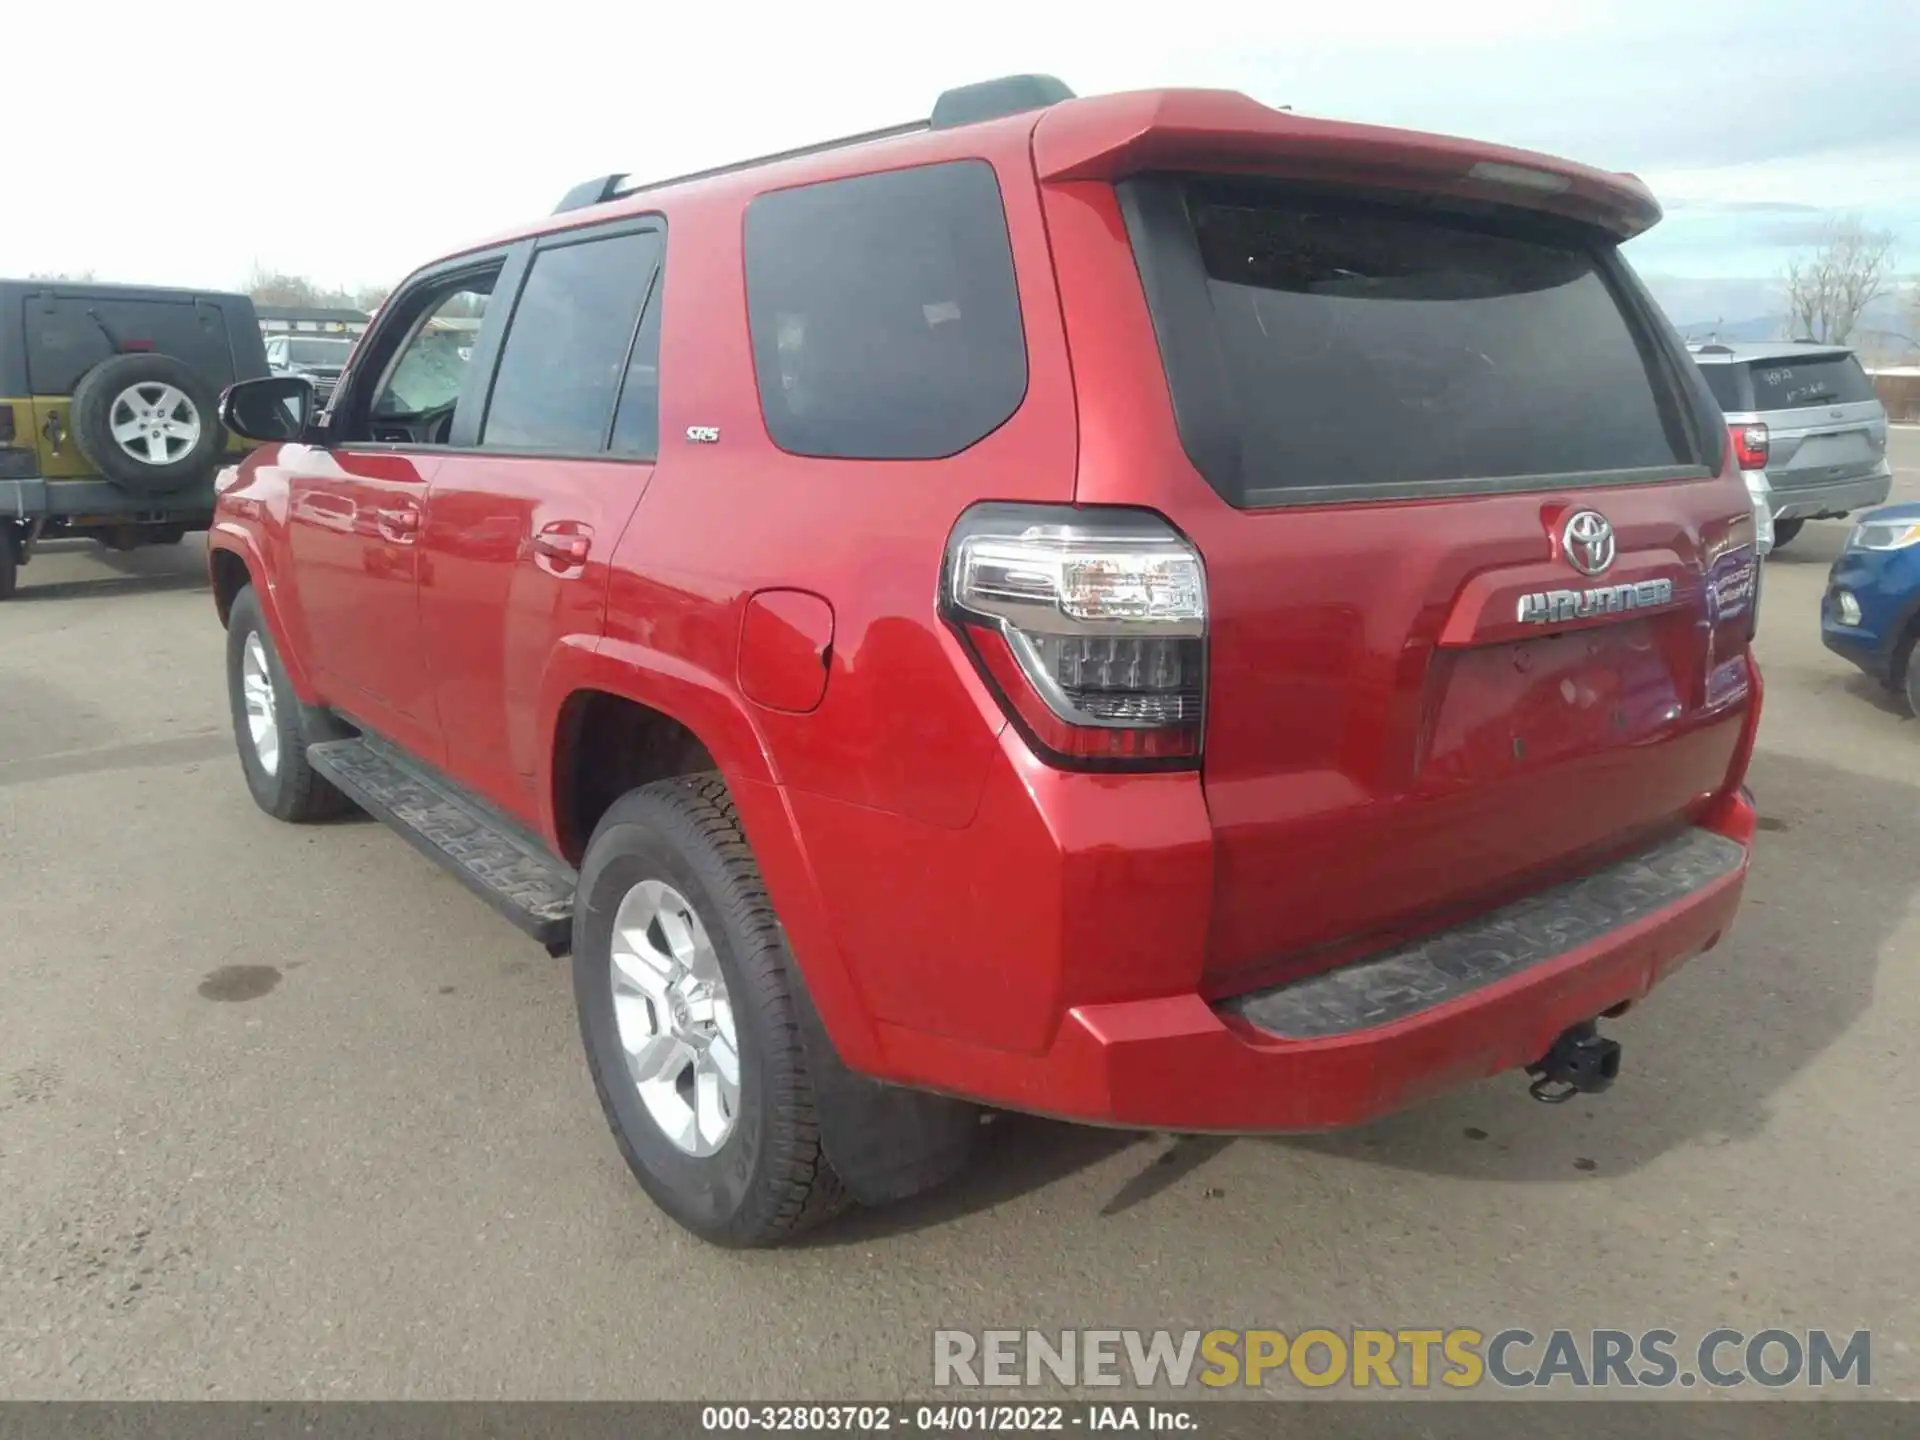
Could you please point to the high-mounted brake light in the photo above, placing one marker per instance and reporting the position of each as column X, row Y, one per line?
column 1091, row 625
column 1750, row 445
column 1522, row 177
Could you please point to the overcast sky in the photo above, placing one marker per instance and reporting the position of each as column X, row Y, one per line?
column 349, row 141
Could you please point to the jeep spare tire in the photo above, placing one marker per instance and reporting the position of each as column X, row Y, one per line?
column 147, row 422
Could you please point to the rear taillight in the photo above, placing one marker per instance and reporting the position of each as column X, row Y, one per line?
column 1090, row 624
column 1749, row 445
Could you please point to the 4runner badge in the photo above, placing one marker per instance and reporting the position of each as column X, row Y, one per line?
column 1554, row 607
column 703, row 434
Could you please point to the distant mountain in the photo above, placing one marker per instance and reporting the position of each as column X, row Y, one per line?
column 1747, row 310
column 1691, row 303
column 1767, row 327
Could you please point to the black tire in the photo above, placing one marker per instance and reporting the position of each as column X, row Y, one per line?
column 9, row 560
column 769, row 1180
column 1785, row 530
column 91, row 418
column 1910, row 668
column 292, row 790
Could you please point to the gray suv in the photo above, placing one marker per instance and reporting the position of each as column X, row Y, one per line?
column 1806, row 417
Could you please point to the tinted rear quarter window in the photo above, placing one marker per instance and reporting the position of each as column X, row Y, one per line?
column 568, row 344
column 1826, row 380
column 1365, row 349
column 884, row 316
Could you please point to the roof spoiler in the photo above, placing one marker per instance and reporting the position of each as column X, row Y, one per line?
column 966, row 105
column 1110, row 136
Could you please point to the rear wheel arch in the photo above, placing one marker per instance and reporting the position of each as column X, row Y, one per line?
column 884, row 1142
column 606, row 744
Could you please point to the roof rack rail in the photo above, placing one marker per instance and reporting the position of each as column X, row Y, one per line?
column 590, row 192
column 819, row 147
column 965, row 105
column 995, row 99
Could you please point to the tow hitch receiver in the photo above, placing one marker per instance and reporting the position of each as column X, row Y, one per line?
column 1582, row 1061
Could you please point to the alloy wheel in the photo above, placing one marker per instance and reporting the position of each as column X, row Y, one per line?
column 675, row 1019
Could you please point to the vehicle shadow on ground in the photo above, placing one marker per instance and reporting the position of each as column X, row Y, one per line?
column 1819, row 544
column 1703, row 1055
column 101, row 571
column 1016, row 1155
column 1866, row 688
column 30, row 593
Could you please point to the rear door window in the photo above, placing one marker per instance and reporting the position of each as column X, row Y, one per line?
column 1824, row 380
column 1355, row 349
column 68, row 335
column 568, row 344
column 885, row 320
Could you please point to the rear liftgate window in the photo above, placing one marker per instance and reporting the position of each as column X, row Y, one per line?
column 885, row 321
column 1335, row 349
column 1826, row 380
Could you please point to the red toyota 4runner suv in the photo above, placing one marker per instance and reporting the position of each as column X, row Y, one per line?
column 1145, row 609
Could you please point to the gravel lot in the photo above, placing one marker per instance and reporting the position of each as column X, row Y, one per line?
column 287, row 1113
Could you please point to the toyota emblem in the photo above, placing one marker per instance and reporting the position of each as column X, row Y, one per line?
column 1587, row 541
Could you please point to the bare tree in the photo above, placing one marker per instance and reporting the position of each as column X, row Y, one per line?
column 1827, row 291
column 270, row 287
column 69, row 277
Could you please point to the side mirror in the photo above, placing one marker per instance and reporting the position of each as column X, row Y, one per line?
column 276, row 407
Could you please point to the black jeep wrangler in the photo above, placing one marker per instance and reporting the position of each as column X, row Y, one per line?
column 109, row 401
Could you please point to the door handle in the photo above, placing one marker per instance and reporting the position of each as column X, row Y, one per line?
column 400, row 525
column 565, row 548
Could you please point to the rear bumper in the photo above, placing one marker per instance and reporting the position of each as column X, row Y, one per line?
column 1806, row 502
column 61, row 499
column 1359, row 1042
column 1762, row 496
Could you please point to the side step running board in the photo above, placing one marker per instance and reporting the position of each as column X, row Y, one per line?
column 498, row 860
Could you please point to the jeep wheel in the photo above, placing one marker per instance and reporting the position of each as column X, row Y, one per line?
column 1785, row 530
column 270, row 726
column 147, row 421
column 680, row 975
column 9, row 560
column 1910, row 668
